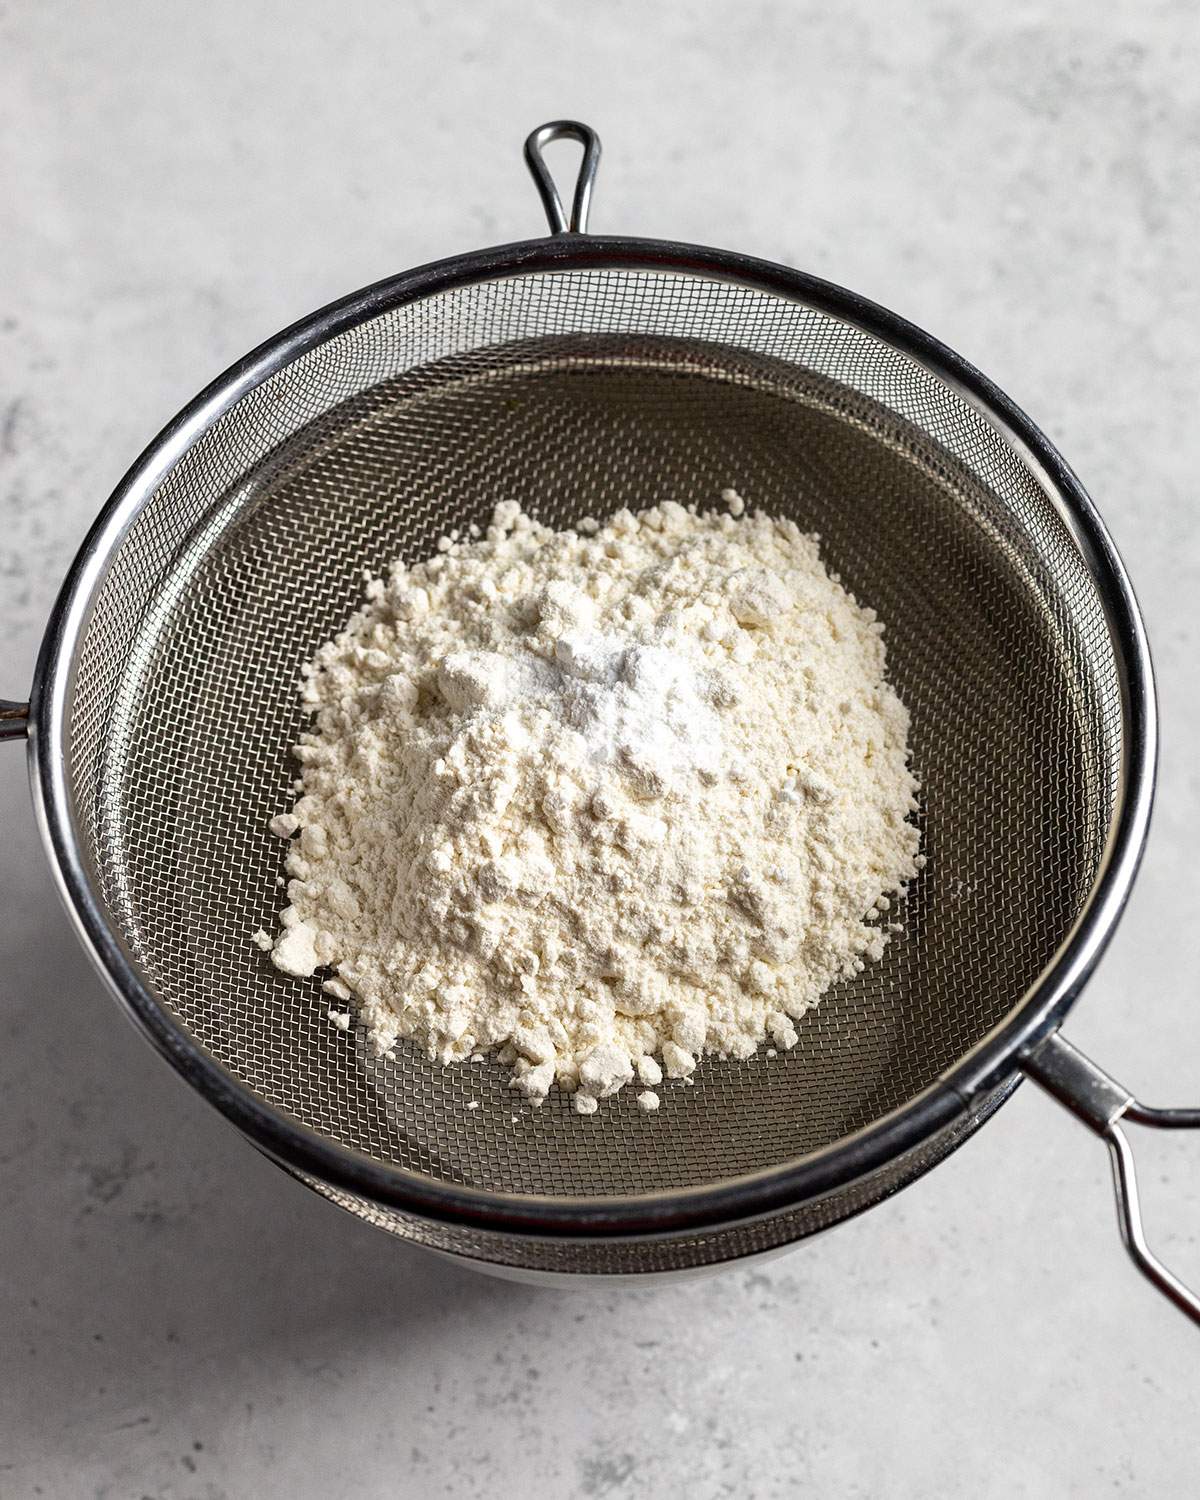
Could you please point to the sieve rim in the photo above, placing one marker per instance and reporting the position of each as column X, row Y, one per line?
column 994, row 1059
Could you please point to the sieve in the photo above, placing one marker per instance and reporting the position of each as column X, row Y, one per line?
column 578, row 373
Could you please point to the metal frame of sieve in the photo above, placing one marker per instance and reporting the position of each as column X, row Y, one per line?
column 852, row 1172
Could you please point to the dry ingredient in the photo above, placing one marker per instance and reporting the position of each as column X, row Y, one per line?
column 601, row 800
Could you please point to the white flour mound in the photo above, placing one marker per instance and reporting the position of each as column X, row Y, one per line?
column 603, row 800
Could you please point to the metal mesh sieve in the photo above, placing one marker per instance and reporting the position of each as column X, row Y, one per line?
column 576, row 392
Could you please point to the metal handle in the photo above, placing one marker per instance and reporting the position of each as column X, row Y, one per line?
column 14, row 720
column 1100, row 1102
column 558, row 130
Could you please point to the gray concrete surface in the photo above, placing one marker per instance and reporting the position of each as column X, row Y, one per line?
column 178, row 1320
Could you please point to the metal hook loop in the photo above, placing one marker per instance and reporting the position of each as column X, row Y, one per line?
column 557, row 130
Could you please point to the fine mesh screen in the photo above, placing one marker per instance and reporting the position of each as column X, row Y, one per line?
column 577, row 393
column 530, row 1257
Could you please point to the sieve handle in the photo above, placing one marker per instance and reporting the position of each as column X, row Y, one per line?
column 1102, row 1103
column 558, row 130
column 14, row 720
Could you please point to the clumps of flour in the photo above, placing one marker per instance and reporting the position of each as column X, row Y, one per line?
column 599, row 801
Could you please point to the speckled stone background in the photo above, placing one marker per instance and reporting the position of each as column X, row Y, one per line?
column 180, row 1321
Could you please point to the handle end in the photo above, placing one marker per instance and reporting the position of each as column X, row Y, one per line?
column 1102, row 1103
column 14, row 720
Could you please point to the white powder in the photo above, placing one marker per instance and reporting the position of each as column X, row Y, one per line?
column 642, row 707
column 595, row 798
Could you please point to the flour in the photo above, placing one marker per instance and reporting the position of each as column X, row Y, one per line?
column 599, row 801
